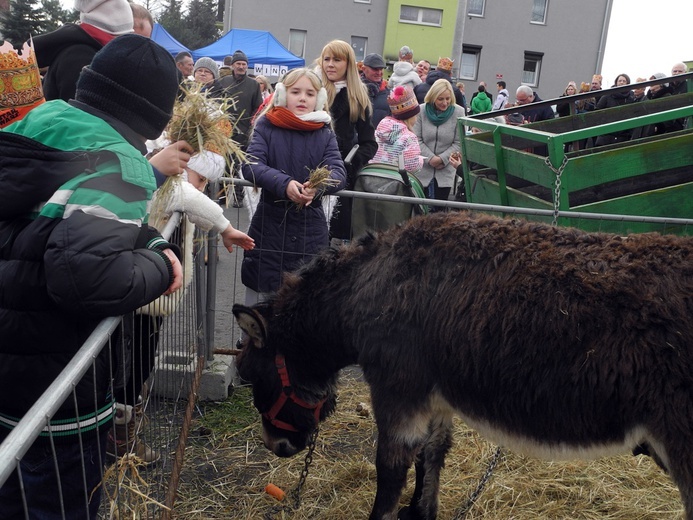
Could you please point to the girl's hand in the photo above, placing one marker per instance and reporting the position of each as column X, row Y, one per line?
column 233, row 237
column 301, row 194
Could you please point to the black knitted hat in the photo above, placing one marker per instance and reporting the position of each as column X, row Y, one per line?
column 239, row 55
column 133, row 79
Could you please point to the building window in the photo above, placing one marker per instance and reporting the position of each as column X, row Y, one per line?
column 539, row 11
column 476, row 7
column 420, row 15
column 470, row 62
column 360, row 46
column 297, row 42
column 532, row 68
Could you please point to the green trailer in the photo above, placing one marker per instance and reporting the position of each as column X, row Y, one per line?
column 545, row 165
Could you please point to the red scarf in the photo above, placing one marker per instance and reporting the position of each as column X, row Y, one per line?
column 285, row 118
column 99, row 35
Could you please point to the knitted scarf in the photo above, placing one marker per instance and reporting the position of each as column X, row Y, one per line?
column 285, row 118
column 436, row 117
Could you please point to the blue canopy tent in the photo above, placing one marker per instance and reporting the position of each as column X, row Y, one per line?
column 168, row 42
column 265, row 54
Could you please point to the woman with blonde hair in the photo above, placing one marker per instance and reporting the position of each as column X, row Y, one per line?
column 436, row 129
column 351, row 113
column 563, row 109
column 265, row 86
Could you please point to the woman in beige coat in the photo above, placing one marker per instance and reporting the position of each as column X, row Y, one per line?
column 438, row 134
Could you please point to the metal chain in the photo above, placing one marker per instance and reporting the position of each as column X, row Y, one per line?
column 296, row 492
column 481, row 485
column 557, row 188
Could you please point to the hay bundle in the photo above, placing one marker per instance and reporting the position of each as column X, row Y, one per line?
column 204, row 122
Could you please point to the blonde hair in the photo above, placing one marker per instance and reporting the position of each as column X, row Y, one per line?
column 264, row 81
column 359, row 102
column 441, row 85
column 288, row 81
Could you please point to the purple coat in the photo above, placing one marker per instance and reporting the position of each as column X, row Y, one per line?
column 285, row 236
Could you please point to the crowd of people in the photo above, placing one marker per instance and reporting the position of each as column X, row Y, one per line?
column 78, row 180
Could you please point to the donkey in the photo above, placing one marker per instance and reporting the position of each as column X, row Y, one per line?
column 553, row 342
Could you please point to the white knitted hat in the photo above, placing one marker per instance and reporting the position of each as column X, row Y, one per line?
column 208, row 164
column 111, row 16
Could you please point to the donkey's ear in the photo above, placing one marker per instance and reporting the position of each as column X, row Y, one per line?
column 252, row 323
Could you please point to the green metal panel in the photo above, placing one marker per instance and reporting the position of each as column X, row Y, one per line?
column 645, row 177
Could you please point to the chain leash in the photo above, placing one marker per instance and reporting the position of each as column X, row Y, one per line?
column 557, row 187
column 295, row 493
column 480, row 486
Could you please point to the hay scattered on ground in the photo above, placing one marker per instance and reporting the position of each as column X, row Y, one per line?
column 227, row 469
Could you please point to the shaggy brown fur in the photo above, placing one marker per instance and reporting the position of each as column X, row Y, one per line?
column 551, row 341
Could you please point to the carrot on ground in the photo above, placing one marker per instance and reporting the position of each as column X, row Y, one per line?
column 275, row 491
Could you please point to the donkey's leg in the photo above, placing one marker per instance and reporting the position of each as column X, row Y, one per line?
column 430, row 460
column 679, row 462
column 393, row 460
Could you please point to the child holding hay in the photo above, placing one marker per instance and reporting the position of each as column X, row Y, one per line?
column 295, row 159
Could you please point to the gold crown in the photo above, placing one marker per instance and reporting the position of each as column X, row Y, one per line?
column 20, row 82
column 445, row 64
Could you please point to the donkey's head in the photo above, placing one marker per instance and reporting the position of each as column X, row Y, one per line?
column 290, row 401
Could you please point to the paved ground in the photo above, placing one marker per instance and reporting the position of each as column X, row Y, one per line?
column 230, row 290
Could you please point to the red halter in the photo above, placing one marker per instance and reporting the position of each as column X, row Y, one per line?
column 286, row 394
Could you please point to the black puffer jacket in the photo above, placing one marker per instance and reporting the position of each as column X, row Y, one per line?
column 65, row 52
column 74, row 249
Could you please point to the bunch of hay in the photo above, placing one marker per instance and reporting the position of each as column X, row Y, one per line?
column 228, row 468
column 320, row 180
column 127, row 492
column 204, row 122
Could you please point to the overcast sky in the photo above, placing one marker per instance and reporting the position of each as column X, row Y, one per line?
column 647, row 37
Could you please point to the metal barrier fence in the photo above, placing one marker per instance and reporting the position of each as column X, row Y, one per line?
column 188, row 335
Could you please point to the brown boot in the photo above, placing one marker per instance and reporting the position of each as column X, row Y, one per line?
column 123, row 438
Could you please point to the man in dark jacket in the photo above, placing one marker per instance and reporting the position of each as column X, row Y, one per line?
column 246, row 97
column 443, row 71
column 372, row 77
column 76, row 248
column 68, row 49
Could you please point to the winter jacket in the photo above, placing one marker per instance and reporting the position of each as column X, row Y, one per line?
column 348, row 134
column 394, row 138
column 65, row 52
column 501, row 99
column 539, row 113
column 286, row 236
column 433, row 76
column 377, row 93
column 441, row 141
column 481, row 103
column 403, row 73
column 246, row 98
column 75, row 248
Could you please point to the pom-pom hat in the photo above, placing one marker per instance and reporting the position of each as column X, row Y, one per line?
column 133, row 79
column 403, row 103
